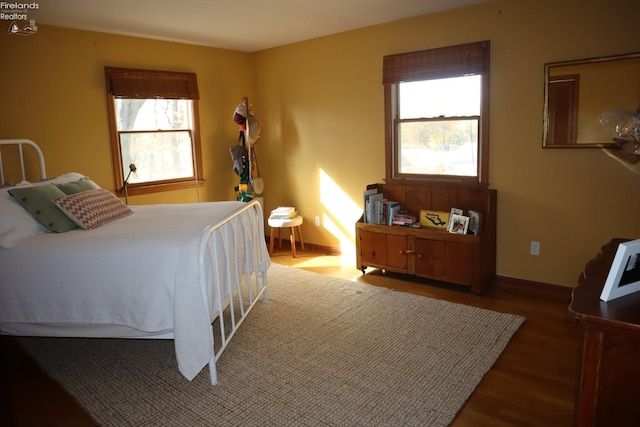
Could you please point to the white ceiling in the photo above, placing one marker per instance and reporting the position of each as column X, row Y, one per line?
column 242, row 25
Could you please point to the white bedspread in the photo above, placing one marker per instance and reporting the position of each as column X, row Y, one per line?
column 140, row 271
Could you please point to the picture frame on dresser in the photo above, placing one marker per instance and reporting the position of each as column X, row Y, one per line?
column 624, row 274
column 458, row 224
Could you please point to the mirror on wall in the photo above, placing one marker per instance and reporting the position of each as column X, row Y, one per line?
column 576, row 92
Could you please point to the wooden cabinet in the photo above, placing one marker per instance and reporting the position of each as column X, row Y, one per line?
column 431, row 258
column 433, row 253
column 610, row 378
column 446, row 261
column 384, row 250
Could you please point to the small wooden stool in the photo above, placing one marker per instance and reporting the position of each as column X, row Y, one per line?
column 292, row 224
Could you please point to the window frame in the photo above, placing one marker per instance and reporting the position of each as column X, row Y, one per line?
column 131, row 83
column 438, row 63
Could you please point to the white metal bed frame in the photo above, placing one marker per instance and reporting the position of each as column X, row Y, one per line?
column 242, row 298
column 253, row 291
column 20, row 143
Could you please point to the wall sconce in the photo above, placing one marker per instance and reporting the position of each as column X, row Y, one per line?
column 132, row 168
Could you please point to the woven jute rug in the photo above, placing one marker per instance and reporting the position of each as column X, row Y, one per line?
column 318, row 351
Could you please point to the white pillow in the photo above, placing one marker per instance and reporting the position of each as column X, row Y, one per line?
column 61, row 179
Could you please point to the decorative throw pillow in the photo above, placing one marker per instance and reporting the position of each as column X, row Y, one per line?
column 15, row 222
column 92, row 208
column 38, row 201
column 83, row 184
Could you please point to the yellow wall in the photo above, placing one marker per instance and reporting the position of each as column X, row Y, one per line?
column 53, row 92
column 321, row 103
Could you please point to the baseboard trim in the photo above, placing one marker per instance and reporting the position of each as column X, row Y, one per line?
column 499, row 280
column 324, row 249
column 533, row 285
column 327, row 250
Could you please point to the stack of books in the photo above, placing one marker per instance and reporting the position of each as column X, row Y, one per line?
column 283, row 212
column 378, row 209
column 404, row 219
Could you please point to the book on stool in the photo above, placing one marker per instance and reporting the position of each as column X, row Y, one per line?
column 283, row 212
column 285, row 217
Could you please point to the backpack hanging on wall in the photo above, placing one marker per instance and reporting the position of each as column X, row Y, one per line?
column 239, row 155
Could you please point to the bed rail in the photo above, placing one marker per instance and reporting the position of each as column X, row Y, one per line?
column 242, row 294
column 20, row 143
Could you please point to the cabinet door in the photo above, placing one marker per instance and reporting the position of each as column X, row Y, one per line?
column 373, row 248
column 459, row 263
column 430, row 258
column 397, row 251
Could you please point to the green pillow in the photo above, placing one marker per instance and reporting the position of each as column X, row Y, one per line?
column 83, row 184
column 38, row 201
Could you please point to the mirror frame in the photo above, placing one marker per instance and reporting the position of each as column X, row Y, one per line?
column 547, row 79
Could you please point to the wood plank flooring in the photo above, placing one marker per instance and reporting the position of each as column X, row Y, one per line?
column 534, row 382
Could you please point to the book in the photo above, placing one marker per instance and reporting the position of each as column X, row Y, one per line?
column 390, row 208
column 404, row 218
column 379, row 211
column 373, row 208
column 366, row 205
column 283, row 212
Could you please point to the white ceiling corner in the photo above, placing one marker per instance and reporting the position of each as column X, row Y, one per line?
column 248, row 25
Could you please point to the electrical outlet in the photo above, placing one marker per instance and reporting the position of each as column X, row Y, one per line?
column 317, row 220
column 535, row 248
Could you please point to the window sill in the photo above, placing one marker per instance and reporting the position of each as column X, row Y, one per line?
column 450, row 180
column 138, row 190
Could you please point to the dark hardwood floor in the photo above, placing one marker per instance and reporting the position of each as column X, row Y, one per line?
column 533, row 383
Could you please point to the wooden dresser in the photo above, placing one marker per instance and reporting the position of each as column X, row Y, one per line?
column 610, row 379
column 463, row 259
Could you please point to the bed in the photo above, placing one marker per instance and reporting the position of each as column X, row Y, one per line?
column 187, row 272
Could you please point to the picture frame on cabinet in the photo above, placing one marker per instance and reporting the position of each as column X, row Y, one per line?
column 454, row 211
column 475, row 222
column 624, row 274
column 458, row 224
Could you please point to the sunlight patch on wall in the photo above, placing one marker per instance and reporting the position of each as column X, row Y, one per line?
column 340, row 212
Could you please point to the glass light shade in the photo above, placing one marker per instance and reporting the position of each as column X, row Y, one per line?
column 622, row 123
column 624, row 128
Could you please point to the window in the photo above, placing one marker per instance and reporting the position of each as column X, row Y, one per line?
column 154, row 125
column 437, row 114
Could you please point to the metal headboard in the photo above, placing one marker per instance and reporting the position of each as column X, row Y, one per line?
column 20, row 143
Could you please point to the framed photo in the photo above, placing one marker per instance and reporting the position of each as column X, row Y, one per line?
column 475, row 222
column 454, row 211
column 624, row 275
column 458, row 224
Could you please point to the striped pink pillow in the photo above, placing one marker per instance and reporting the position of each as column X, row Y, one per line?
column 92, row 208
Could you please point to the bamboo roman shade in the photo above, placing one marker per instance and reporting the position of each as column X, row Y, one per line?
column 145, row 84
column 439, row 63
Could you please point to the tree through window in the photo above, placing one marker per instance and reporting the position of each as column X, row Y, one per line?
column 437, row 114
column 154, row 125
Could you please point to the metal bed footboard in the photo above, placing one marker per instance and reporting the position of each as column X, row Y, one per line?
column 244, row 280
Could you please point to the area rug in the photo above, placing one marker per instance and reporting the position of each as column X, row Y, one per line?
column 318, row 351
